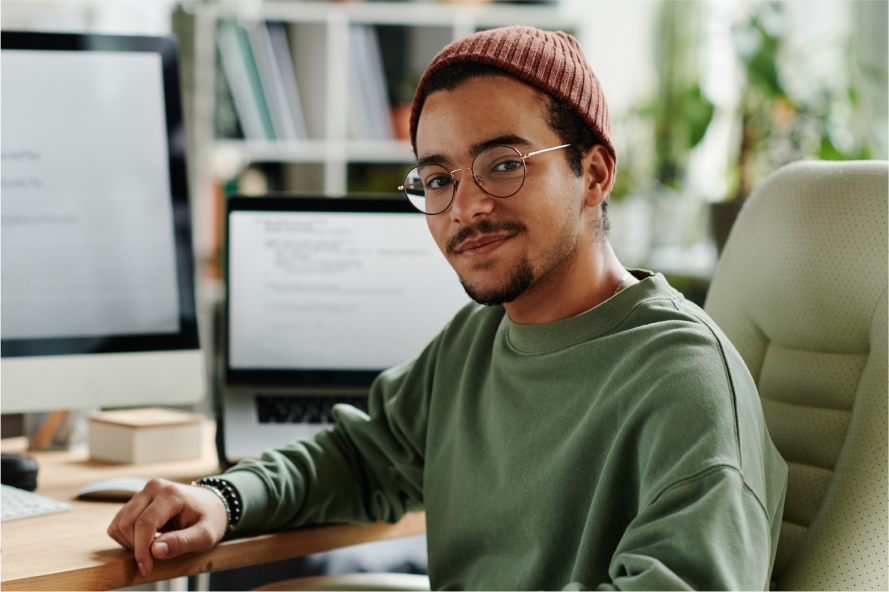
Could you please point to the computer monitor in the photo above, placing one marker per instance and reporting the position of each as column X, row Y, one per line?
column 98, row 299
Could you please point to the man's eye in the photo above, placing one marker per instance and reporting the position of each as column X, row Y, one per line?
column 506, row 166
column 438, row 182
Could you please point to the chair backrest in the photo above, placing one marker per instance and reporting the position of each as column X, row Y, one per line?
column 801, row 292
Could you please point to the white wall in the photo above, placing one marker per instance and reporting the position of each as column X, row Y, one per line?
column 618, row 40
column 121, row 17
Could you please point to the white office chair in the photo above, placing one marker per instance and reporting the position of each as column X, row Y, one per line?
column 801, row 292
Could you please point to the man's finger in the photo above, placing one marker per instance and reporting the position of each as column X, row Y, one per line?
column 192, row 539
column 122, row 528
column 149, row 521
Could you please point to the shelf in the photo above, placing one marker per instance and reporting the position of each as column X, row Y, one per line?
column 317, row 151
column 414, row 14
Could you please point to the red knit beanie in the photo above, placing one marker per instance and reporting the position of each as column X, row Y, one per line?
column 551, row 61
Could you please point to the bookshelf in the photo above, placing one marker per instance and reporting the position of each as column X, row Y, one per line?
column 319, row 36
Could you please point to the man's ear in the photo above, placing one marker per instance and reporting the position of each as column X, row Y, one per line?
column 599, row 170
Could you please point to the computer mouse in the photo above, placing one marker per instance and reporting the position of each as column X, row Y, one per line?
column 116, row 489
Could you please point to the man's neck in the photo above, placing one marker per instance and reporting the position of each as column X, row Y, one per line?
column 588, row 279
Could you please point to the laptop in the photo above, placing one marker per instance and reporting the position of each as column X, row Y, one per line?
column 322, row 295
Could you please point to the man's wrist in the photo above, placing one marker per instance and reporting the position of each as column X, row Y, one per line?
column 229, row 497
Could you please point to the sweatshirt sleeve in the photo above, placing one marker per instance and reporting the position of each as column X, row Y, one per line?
column 702, row 533
column 369, row 467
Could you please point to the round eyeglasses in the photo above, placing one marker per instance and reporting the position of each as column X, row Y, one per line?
column 499, row 171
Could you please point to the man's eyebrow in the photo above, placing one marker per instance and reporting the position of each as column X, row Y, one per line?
column 509, row 140
column 432, row 159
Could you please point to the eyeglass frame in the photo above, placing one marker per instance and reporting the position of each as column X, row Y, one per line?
column 522, row 157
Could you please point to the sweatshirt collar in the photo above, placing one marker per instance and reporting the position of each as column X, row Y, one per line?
column 549, row 337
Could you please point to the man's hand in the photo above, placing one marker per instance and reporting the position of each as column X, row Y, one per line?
column 191, row 518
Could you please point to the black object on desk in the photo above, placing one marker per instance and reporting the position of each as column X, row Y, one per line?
column 19, row 471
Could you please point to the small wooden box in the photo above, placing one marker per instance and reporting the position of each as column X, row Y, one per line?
column 134, row 436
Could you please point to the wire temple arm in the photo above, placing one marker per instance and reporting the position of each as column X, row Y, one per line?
column 529, row 155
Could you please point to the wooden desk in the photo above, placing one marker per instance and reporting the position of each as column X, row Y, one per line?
column 71, row 551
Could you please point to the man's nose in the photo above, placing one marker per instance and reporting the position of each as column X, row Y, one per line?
column 469, row 199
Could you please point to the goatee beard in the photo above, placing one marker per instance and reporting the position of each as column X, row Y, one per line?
column 519, row 280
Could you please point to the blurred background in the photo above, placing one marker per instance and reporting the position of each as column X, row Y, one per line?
column 707, row 98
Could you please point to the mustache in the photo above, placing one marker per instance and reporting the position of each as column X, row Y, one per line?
column 482, row 228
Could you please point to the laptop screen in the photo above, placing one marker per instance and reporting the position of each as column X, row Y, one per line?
column 329, row 292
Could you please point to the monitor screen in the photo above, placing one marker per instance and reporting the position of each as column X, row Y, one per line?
column 97, row 291
column 90, row 205
column 338, row 294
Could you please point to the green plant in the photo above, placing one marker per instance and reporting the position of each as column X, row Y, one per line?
column 680, row 112
column 676, row 118
column 776, row 127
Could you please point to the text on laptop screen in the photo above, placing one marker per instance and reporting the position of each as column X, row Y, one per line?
column 337, row 291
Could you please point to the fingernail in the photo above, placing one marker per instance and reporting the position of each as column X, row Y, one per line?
column 160, row 550
column 142, row 571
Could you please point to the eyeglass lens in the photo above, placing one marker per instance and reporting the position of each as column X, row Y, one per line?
column 499, row 171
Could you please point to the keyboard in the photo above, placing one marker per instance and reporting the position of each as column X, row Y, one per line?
column 300, row 409
column 16, row 504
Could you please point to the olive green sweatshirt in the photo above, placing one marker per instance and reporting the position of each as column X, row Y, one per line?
column 622, row 448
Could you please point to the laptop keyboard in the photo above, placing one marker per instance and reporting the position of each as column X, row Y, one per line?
column 18, row 503
column 292, row 409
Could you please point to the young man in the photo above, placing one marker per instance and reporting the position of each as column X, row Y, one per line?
column 580, row 427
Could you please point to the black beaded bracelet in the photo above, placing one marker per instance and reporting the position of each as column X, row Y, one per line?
column 229, row 495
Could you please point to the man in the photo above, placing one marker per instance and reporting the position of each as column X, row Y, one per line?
column 580, row 427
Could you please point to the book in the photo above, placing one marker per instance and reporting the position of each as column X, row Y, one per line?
column 271, row 82
column 255, row 82
column 226, row 123
column 369, row 115
column 145, row 435
column 358, row 115
column 287, row 72
column 243, row 77
column 377, row 93
column 238, row 83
